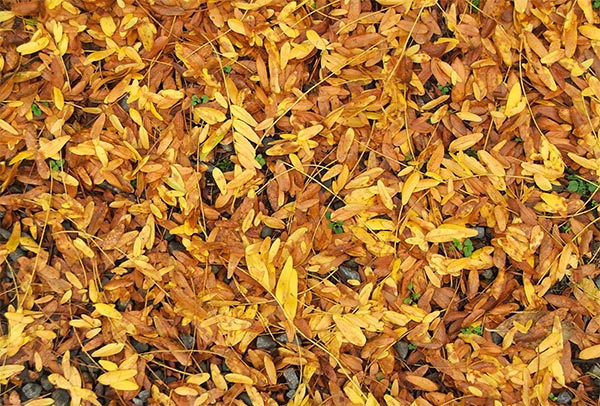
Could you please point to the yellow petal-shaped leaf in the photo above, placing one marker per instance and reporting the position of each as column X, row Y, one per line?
column 450, row 232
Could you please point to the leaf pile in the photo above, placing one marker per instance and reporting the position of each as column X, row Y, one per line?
column 378, row 202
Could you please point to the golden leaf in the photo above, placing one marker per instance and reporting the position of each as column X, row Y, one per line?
column 514, row 103
column 286, row 291
column 239, row 378
column 108, row 25
column 108, row 350
column 208, row 114
column 589, row 31
column 590, row 352
column 33, row 46
column 350, row 331
column 409, row 186
column 450, row 232
column 108, row 311
column 51, row 148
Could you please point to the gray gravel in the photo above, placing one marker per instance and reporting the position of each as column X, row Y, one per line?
column 61, row 397
column 31, row 390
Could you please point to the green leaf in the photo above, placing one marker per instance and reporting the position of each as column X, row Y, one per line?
column 227, row 69
column 35, row 109
column 261, row 160
column 573, row 186
column 468, row 247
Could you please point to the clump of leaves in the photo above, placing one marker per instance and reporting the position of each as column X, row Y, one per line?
column 465, row 247
column 225, row 165
column 596, row 4
column 35, row 109
column 445, row 89
column 199, row 100
column 56, row 164
column 473, row 329
column 413, row 296
column 261, row 159
column 580, row 185
column 336, row 226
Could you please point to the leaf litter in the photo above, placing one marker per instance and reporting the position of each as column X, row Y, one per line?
column 270, row 202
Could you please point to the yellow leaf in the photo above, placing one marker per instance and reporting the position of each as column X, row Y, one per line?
column 146, row 33
column 33, row 46
column 108, row 350
column 450, row 232
column 198, row 379
column 40, row 402
column 209, row 115
column 6, row 15
column 108, row 311
column 237, row 26
column 82, row 246
column 514, row 102
column 6, row 371
column 100, row 55
column 409, row 186
column 465, row 142
column 125, row 385
column 51, row 148
column 590, row 352
column 384, row 195
column 112, row 377
column 241, row 113
column 15, row 238
column 7, row 127
column 286, row 291
column 468, row 116
column 108, row 26
column 57, row 97
column 350, row 331
column 589, row 31
column 422, row 383
column 239, row 378
column 316, row 40
column 220, row 180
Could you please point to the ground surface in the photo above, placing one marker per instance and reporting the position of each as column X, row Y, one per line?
column 265, row 202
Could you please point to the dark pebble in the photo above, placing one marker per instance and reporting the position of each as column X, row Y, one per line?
column 139, row 347
column 488, row 274
column 175, row 246
column 187, row 341
column 283, row 339
column 245, row 398
column 597, row 281
column 144, row 395
column 31, row 390
column 266, row 343
column 46, row 385
column 480, row 233
column 401, row 348
column 497, row 338
column 61, row 397
column 291, row 378
column 347, row 273
column 564, row 397
column 266, row 232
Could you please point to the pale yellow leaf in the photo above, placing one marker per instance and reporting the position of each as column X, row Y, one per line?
column 108, row 350
column 108, row 311
column 7, row 371
column 118, row 375
column 590, row 352
column 33, row 46
column 409, row 186
column 7, row 127
column 286, row 291
column 108, row 25
column 239, row 378
column 514, row 103
column 100, row 55
column 449, row 232
column 350, row 331
column 51, row 148
column 208, row 114
column 58, row 98
column 589, row 31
